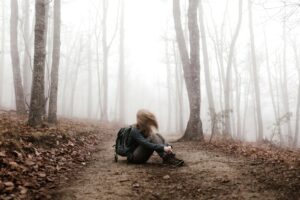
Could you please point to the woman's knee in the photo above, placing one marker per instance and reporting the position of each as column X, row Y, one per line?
column 156, row 138
column 141, row 155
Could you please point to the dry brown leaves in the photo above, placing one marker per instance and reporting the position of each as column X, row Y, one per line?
column 36, row 160
column 276, row 167
column 264, row 151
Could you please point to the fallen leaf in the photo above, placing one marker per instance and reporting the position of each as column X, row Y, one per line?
column 42, row 174
column 9, row 189
column 18, row 154
column 29, row 162
column 135, row 185
column 14, row 165
column 9, row 184
column 23, row 190
column 2, row 186
column 2, row 154
column 166, row 177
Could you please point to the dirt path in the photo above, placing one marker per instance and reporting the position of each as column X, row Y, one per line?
column 207, row 175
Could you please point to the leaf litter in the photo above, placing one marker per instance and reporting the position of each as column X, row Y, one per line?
column 38, row 163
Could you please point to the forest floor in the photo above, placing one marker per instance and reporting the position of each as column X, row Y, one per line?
column 74, row 160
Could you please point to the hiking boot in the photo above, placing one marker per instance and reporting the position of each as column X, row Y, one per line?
column 171, row 160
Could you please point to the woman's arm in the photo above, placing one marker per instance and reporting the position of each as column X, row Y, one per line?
column 140, row 139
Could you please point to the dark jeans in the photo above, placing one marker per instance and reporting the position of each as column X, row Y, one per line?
column 142, row 154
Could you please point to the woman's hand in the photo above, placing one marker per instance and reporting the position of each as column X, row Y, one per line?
column 168, row 149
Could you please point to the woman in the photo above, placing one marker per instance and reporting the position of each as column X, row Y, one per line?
column 143, row 141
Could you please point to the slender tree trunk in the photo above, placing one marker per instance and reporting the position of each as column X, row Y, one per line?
column 245, row 111
column 75, row 79
column 169, row 83
column 285, row 91
column 209, row 91
column 191, row 67
column 67, row 81
column 278, row 84
column 270, row 80
column 229, row 71
column 90, row 80
column 255, row 75
column 238, row 100
column 296, row 135
column 37, row 102
column 99, row 83
column 222, row 41
column 121, row 68
column 275, row 108
column 2, row 56
column 27, row 72
column 105, row 62
column 52, row 116
column 48, row 51
column 179, row 87
column 19, row 94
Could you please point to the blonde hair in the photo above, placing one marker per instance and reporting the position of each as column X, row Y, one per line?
column 146, row 121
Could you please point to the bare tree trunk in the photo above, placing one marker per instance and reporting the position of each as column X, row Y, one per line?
column 275, row 108
column 105, row 61
column 52, row 115
column 19, row 94
column 285, row 93
column 278, row 84
column 238, row 100
column 100, row 102
column 229, row 71
column 75, row 78
column 27, row 71
column 179, row 87
column 121, row 68
column 169, row 83
column 209, row 90
column 296, row 136
column 37, row 102
column 255, row 76
column 245, row 111
column 90, row 80
column 219, row 51
column 276, row 114
column 48, row 51
column 67, row 81
column 2, row 56
column 191, row 67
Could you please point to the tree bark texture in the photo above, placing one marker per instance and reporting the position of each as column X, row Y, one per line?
column 52, row 115
column 179, row 88
column 27, row 71
column 90, row 80
column 191, row 67
column 105, row 62
column 285, row 91
column 255, row 75
column 2, row 57
column 19, row 93
column 296, row 134
column 209, row 91
column 227, row 86
column 169, row 82
column 37, row 102
column 121, row 68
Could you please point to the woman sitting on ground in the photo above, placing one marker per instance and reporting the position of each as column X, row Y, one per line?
column 143, row 141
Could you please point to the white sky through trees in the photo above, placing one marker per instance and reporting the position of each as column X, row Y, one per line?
column 147, row 22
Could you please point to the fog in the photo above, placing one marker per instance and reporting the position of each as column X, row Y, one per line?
column 153, row 71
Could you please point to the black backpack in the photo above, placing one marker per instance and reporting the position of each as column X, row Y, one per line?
column 121, row 142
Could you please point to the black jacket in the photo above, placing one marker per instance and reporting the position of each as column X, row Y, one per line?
column 136, row 138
